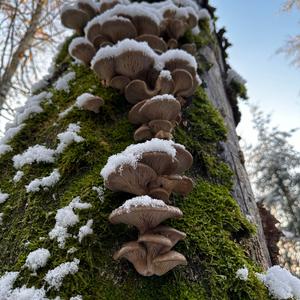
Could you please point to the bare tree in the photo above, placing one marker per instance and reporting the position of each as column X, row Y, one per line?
column 27, row 28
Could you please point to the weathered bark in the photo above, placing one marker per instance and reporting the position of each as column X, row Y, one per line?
column 24, row 44
column 242, row 191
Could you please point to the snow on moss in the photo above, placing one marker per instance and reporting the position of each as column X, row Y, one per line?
column 85, row 230
column 55, row 277
column 18, row 176
column 281, row 283
column 4, row 149
column 62, row 84
column 9, row 134
column 78, row 297
column 65, row 218
column 242, row 273
column 6, row 284
column 65, row 112
column 37, row 153
column 1, row 220
column 233, row 76
column 3, row 197
column 133, row 153
column 37, row 259
column 25, row 293
column 45, row 182
column 100, row 192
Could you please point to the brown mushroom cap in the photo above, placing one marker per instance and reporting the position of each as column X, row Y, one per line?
column 119, row 82
column 143, row 133
column 161, row 162
column 172, row 44
column 190, row 48
column 184, row 157
column 92, row 31
column 132, row 180
column 92, row 103
column 184, row 82
column 166, row 262
column 155, row 244
column 104, row 67
column 118, row 29
column 87, row 7
column 172, row 234
column 155, row 42
column 74, row 18
column 82, row 49
column 136, row 254
column 144, row 214
column 145, row 25
column 176, row 28
column 138, row 90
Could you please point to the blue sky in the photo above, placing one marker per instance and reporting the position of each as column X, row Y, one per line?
column 257, row 29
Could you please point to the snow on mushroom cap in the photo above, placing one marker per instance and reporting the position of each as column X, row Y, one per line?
column 178, row 54
column 163, row 97
column 141, row 201
column 133, row 153
column 121, row 47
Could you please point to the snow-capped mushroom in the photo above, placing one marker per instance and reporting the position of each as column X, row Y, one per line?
column 145, row 25
column 168, row 261
column 89, row 7
column 92, row 31
column 144, row 213
column 80, row 48
column 74, row 18
column 104, row 68
column 136, row 254
column 131, row 180
column 155, row 42
column 90, row 102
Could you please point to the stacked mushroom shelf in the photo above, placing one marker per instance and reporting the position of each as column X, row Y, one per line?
column 132, row 47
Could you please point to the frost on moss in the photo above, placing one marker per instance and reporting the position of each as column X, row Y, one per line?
column 212, row 219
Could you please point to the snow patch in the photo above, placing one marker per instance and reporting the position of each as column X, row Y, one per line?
column 163, row 97
column 4, row 149
column 280, row 283
column 233, row 76
column 78, row 297
column 85, row 230
column 6, row 284
column 100, row 192
column 3, row 197
column 62, row 84
column 65, row 218
column 65, row 112
column 37, row 259
column 45, row 182
column 82, row 99
column 55, row 277
column 18, row 176
column 141, row 201
column 242, row 273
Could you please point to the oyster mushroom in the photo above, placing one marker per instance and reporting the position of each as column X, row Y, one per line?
column 155, row 42
column 80, row 48
column 144, row 213
column 89, row 102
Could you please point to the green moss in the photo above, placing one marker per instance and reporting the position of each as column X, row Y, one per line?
column 239, row 90
column 212, row 219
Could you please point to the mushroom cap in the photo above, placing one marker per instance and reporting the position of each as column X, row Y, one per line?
column 92, row 32
column 166, row 262
column 74, row 18
column 118, row 29
column 161, row 162
column 172, row 234
column 155, row 42
column 143, row 133
column 119, row 82
column 183, row 186
column 157, row 125
column 163, row 135
column 82, row 49
column 176, row 28
column 132, row 180
column 87, row 8
column 184, row 82
column 163, row 108
column 136, row 254
column 133, row 64
column 160, row 193
column 104, row 68
column 172, row 44
column 155, row 243
column 138, row 90
column 145, row 25
column 134, row 115
column 93, row 104
column 190, row 48
column 144, row 216
column 184, row 158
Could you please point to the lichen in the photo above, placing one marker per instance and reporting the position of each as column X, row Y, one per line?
column 212, row 219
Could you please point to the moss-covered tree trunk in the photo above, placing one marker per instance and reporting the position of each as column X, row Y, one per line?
column 220, row 238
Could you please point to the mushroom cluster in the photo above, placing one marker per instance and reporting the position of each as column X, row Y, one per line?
column 134, row 48
column 151, row 254
column 152, row 168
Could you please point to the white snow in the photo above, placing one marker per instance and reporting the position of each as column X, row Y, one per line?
column 37, row 153
column 204, row 14
column 6, row 284
column 195, row 30
column 141, row 201
column 10, row 133
column 37, row 259
column 165, row 74
column 78, row 297
column 190, row 3
column 100, row 192
column 55, row 277
column 68, row 137
column 85, row 230
column 3, row 197
column 45, row 182
column 78, row 41
column 163, row 97
column 25, row 293
column 281, row 283
column 65, row 217
column 65, row 112
column 4, row 149
column 133, row 153
column 82, row 99
column 72, row 250
column 126, row 45
column 232, row 75
column 18, row 176
column 62, row 84
column 39, row 85
column 242, row 273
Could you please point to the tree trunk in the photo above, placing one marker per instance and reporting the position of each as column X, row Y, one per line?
column 220, row 240
column 24, row 45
